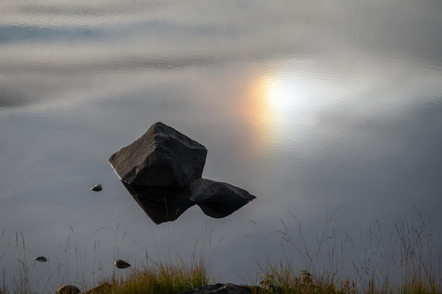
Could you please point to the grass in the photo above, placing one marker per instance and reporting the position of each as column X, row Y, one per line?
column 278, row 279
column 407, row 260
column 162, row 278
column 410, row 263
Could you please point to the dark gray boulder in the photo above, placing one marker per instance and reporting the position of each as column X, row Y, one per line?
column 220, row 289
column 206, row 191
column 161, row 158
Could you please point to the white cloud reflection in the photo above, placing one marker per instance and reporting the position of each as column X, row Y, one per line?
column 77, row 41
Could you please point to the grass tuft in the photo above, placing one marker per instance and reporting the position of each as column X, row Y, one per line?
column 162, row 278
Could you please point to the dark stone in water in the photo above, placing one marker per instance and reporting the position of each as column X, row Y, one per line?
column 121, row 263
column 218, row 199
column 97, row 188
column 162, row 171
column 161, row 158
column 40, row 259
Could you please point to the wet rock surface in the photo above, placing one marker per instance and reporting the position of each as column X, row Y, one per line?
column 211, row 192
column 97, row 188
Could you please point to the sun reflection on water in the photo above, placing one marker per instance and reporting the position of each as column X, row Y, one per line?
column 278, row 105
column 285, row 93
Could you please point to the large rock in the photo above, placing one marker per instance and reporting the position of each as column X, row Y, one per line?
column 161, row 158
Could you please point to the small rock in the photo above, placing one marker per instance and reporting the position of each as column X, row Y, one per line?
column 67, row 289
column 97, row 188
column 40, row 259
column 121, row 263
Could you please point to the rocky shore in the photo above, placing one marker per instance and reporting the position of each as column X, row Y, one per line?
column 218, row 288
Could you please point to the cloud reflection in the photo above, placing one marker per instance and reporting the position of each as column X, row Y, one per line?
column 82, row 40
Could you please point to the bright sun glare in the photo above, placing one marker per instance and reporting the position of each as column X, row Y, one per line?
column 284, row 94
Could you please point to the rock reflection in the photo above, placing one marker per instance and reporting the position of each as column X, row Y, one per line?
column 161, row 205
column 165, row 204
column 217, row 210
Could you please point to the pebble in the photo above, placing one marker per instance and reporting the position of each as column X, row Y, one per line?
column 97, row 188
column 40, row 259
column 121, row 263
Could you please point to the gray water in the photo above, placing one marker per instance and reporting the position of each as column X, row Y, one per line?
column 312, row 107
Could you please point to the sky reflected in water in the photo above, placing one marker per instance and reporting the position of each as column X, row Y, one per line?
column 310, row 107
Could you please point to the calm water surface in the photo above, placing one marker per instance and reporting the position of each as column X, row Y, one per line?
column 310, row 107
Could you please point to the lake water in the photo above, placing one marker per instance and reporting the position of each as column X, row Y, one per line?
column 314, row 108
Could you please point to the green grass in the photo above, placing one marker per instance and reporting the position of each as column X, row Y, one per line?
column 407, row 260
column 277, row 279
column 162, row 278
column 168, row 278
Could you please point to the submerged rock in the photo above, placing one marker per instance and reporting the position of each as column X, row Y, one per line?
column 161, row 158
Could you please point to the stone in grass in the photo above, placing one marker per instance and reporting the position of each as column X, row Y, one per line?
column 161, row 158
column 220, row 289
column 67, row 289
